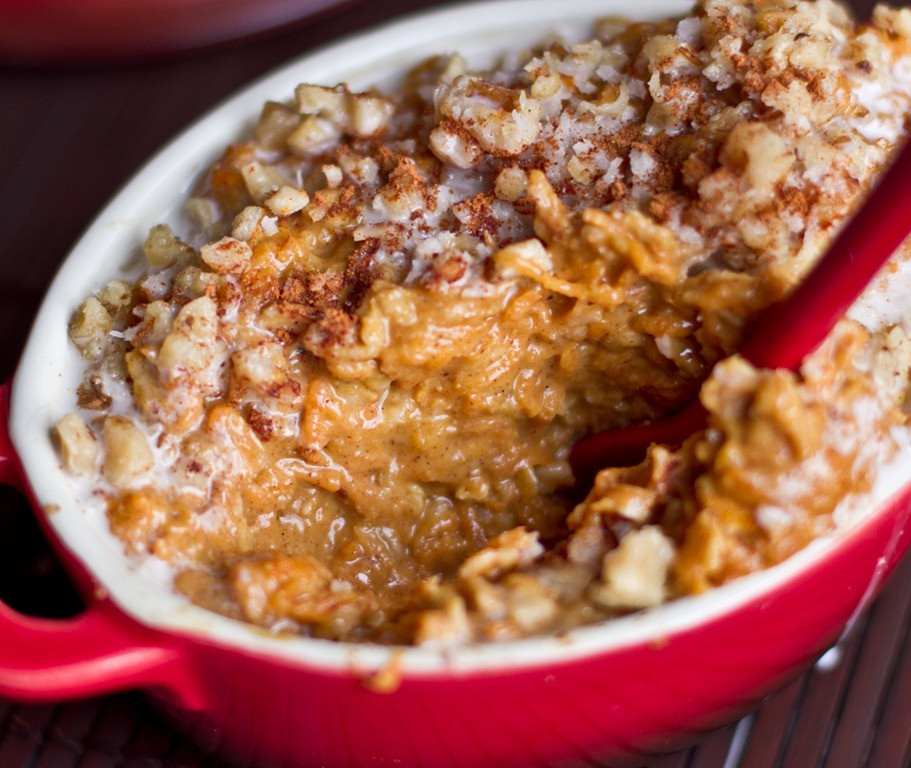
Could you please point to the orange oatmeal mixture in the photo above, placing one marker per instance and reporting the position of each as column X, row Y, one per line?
column 344, row 407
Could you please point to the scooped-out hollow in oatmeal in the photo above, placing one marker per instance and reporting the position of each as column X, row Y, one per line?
column 343, row 407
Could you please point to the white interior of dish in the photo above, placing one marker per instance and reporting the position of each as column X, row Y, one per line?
column 44, row 383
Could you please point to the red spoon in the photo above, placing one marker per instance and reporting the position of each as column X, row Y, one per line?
column 789, row 330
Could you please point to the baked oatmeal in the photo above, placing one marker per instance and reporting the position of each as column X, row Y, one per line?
column 343, row 407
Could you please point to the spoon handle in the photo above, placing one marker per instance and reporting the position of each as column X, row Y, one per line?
column 788, row 331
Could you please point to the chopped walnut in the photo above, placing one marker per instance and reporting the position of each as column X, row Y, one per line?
column 287, row 200
column 127, row 455
column 510, row 550
column 227, row 256
column 162, row 248
column 89, row 327
column 77, row 445
column 502, row 121
column 634, row 575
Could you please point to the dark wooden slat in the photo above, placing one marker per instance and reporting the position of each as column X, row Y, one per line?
column 150, row 743
column 25, row 731
column 771, row 726
column 677, row 760
column 6, row 709
column 111, row 732
column 892, row 745
column 65, row 743
column 187, row 755
column 713, row 750
column 819, row 706
column 882, row 642
column 857, row 722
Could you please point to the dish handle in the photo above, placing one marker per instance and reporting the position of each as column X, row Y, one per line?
column 99, row 651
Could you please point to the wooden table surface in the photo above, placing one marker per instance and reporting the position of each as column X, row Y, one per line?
column 69, row 138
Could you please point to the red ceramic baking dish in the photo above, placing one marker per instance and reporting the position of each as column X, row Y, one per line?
column 610, row 694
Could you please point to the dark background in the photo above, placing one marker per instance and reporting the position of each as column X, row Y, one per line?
column 70, row 135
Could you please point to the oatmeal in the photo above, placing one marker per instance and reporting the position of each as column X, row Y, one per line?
column 343, row 407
